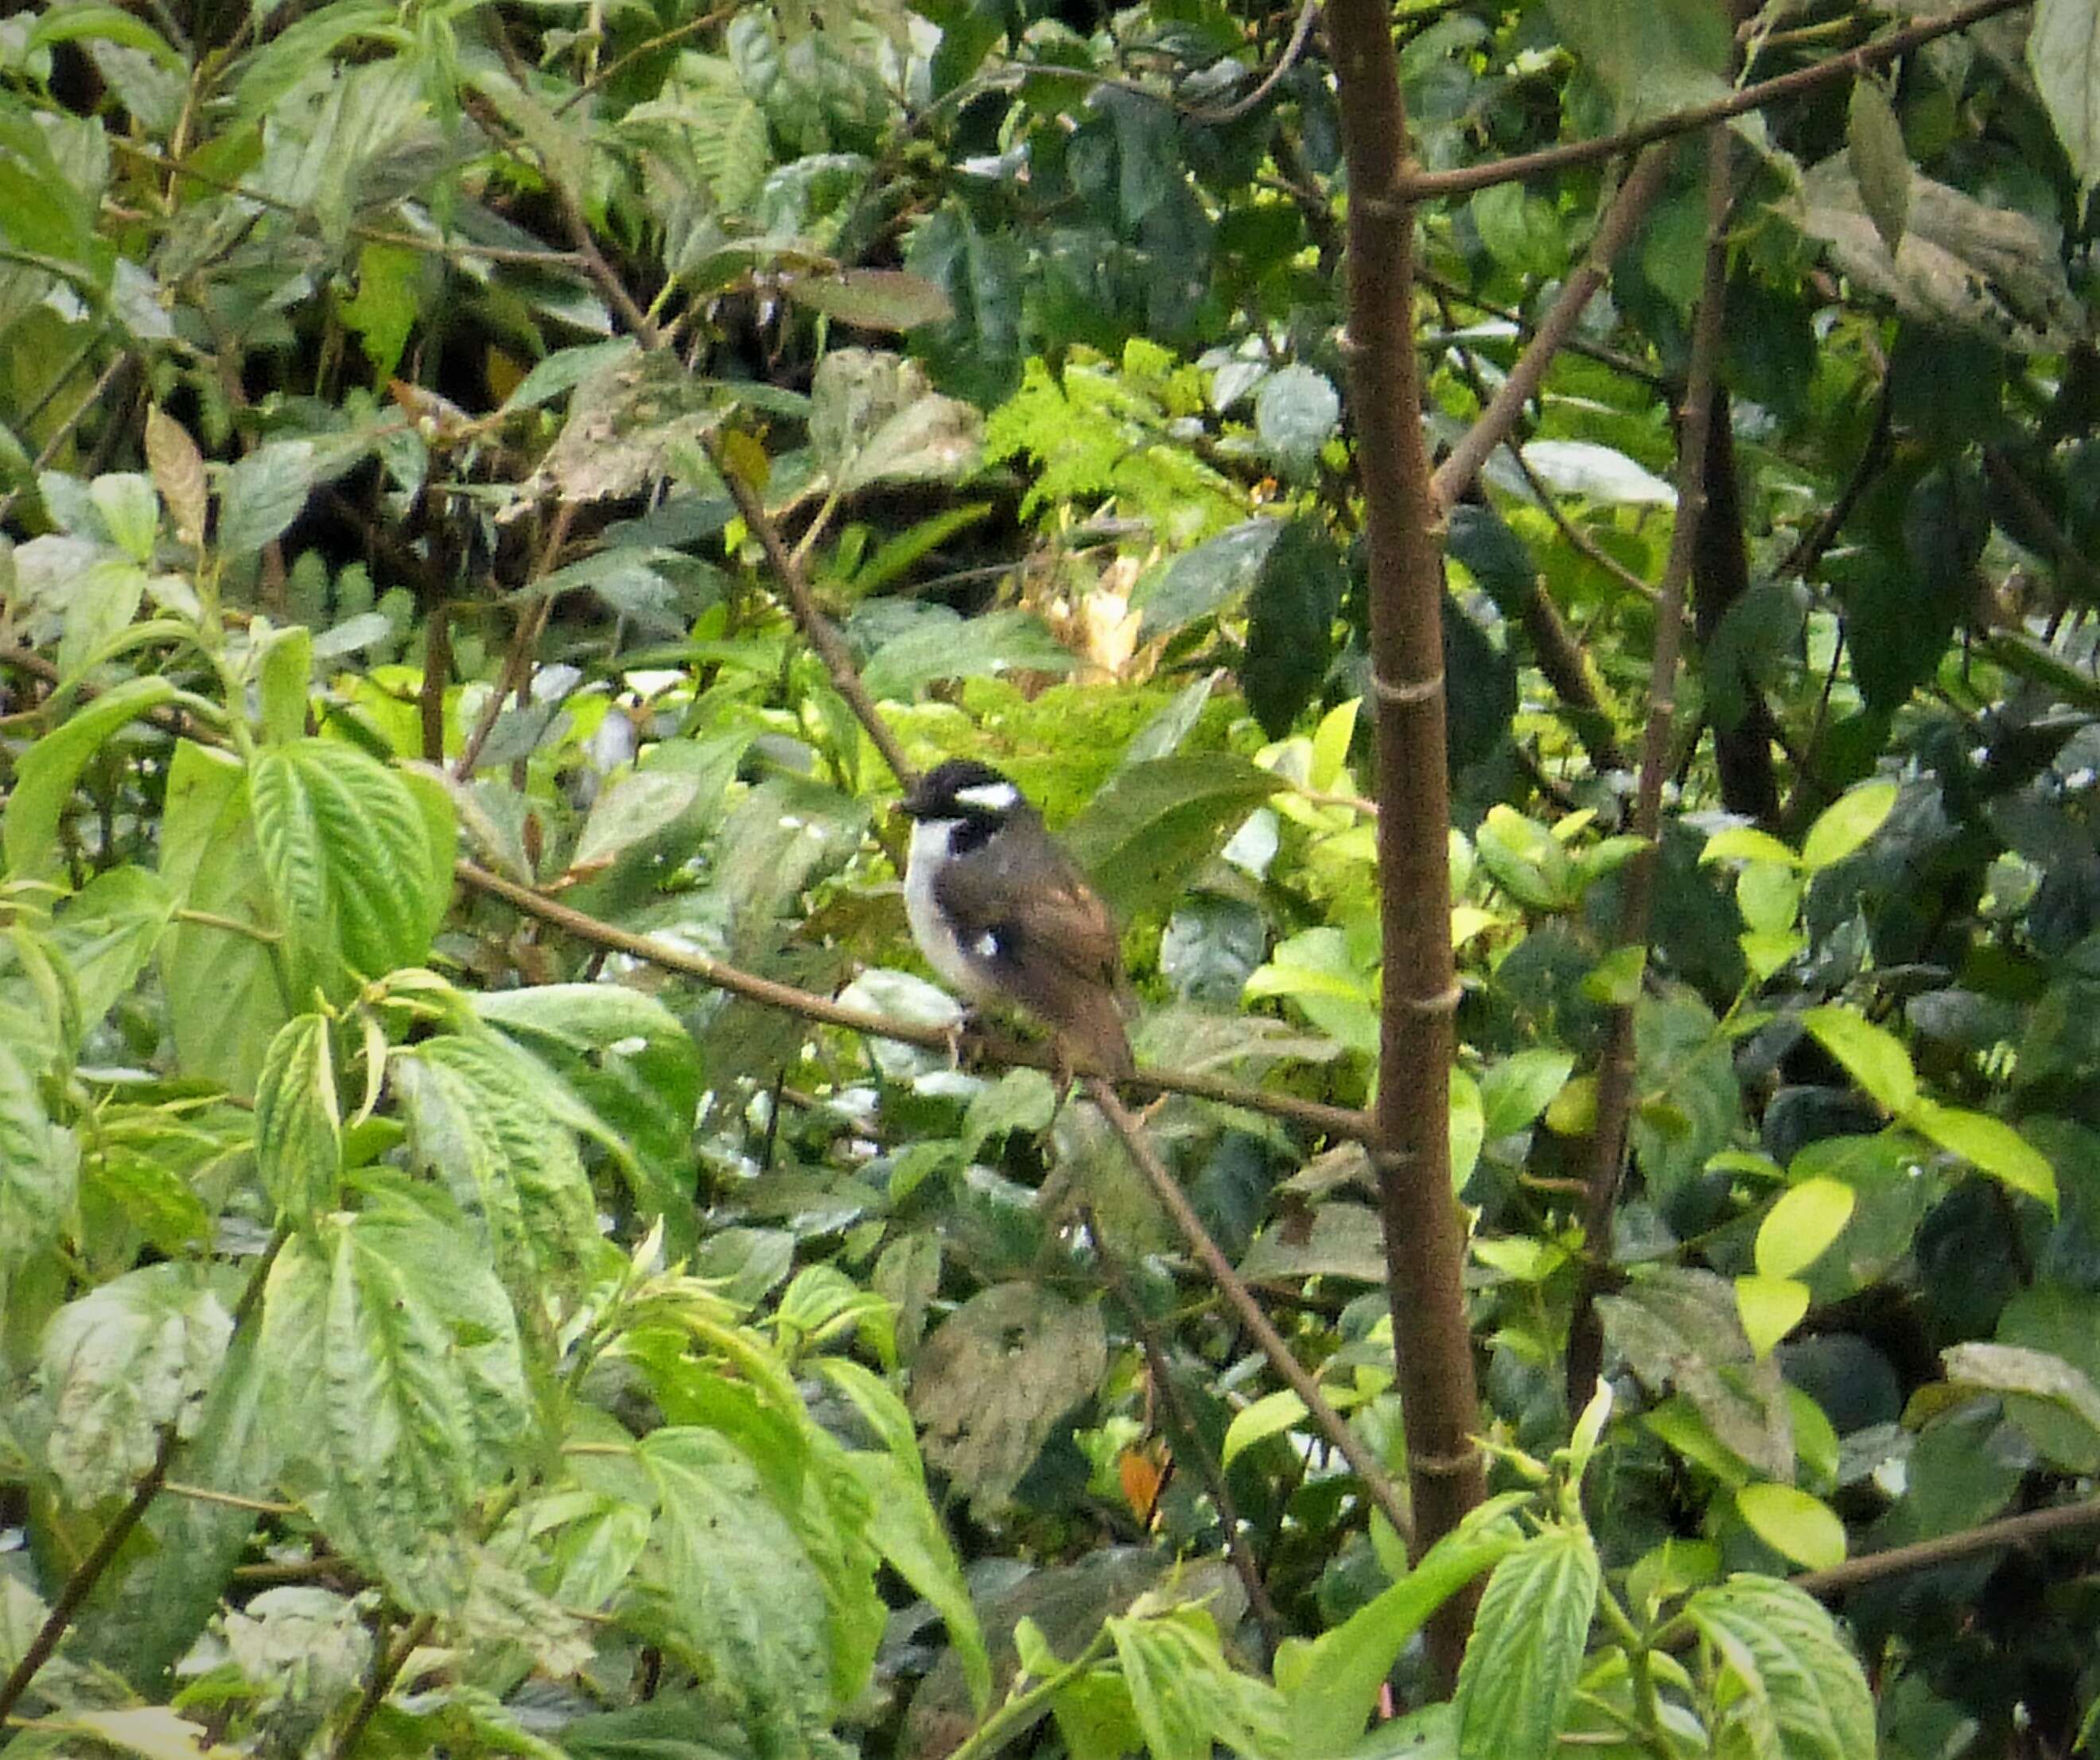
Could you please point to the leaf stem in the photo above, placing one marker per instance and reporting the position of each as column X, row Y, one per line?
column 1377, row 1483
column 1020, row 1710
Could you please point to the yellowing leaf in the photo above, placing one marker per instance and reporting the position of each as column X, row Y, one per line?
column 1770, row 1307
column 1790, row 1521
column 1872, row 1056
column 1801, row 1225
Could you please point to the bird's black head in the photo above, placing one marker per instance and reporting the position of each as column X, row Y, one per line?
column 962, row 788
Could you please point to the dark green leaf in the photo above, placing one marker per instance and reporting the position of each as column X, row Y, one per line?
column 1143, row 837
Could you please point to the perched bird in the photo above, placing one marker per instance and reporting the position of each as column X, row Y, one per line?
column 1003, row 914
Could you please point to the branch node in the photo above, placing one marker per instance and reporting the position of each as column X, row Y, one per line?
column 1415, row 691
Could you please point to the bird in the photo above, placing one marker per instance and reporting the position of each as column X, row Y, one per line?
column 1004, row 915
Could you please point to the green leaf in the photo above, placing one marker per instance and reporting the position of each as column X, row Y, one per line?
column 1469, row 1128
column 1847, row 823
column 1801, row 1225
column 1880, row 161
column 1799, row 1526
column 1650, row 58
column 394, row 1361
column 872, row 299
column 286, row 673
column 226, row 997
column 1990, row 1144
column 1143, row 834
column 1797, row 1678
column 1198, row 582
column 1187, row 1697
column 106, row 935
column 992, row 1382
column 479, row 1119
column 1021, row 1099
column 1290, row 626
column 1872, row 1056
column 1330, row 1684
column 350, row 858
column 2063, row 55
column 1521, row 1664
column 2035, row 1374
column 744, row 1599
column 948, row 646
column 1296, row 411
column 45, row 776
column 903, row 1522
column 1746, row 843
column 1515, row 1091
column 1271, row 1415
column 634, row 1070
column 1771, row 1306
column 121, row 1364
column 298, row 1121
column 262, row 494
column 108, row 23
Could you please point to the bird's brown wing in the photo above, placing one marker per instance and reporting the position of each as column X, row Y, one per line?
column 1021, row 904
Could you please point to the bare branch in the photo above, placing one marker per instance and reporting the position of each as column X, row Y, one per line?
column 1331, row 1121
column 808, row 615
column 1377, row 1484
column 1615, row 1081
column 1461, row 180
column 1455, row 475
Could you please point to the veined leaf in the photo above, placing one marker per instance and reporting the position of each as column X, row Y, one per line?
column 395, row 1357
column 44, row 778
column 348, row 849
column 1187, row 1697
column 225, row 999
column 122, row 1363
column 1797, row 1678
column 298, row 1121
column 1143, row 835
column 742, row 1596
column 1519, row 1676
column 476, row 1118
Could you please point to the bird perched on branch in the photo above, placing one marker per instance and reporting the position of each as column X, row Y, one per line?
column 1003, row 914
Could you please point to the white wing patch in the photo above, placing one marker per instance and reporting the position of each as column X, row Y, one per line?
column 994, row 797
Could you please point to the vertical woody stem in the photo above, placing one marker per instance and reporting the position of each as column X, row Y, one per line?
column 1424, row 1253
column 1615, row 1079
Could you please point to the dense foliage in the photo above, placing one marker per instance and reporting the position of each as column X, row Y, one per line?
column 494, row 497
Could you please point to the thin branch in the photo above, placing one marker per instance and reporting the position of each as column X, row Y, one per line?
column 1377, row 1485
column 1802, row 558
column 1617, row 359
column 1945, row 1549
column 612, row 69
column 1455, row 475
column 63, row 431
column 1309, row 1114
column 1462, row 180
column 1301, row 34
column 1192, row 1444
column 808, row 615
column 1615, row 1081
column 83, row 1579
column 386, row 1666
column 82, row 1583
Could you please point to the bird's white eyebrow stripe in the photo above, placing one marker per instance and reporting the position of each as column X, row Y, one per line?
column 995, row 797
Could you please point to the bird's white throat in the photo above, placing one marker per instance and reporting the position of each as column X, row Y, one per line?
column 930, row 922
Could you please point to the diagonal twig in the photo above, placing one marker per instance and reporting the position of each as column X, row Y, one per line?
column 1377, row 1483
column 1616, row 1077
column 808, row 615
column 1310, row 1114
